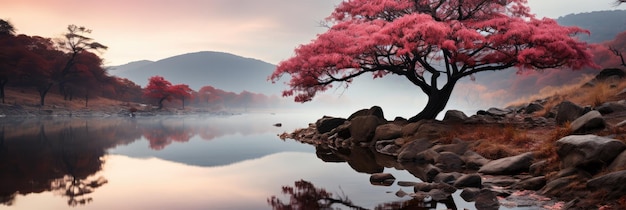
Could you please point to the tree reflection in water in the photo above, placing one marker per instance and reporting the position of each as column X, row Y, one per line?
column 363, row 160
column 304, row 195
column 60, row 156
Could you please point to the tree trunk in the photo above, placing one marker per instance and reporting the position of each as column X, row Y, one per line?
column 161, row 102
column 183, row 103
column 3, row 82
column 437, row 101
column 43, row 90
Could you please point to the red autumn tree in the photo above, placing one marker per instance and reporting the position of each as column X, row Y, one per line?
column 181, row 91
column 433, row 44
column 158, row 88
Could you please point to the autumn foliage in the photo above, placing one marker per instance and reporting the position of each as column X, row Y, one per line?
column 68, row 63
column 433, row 44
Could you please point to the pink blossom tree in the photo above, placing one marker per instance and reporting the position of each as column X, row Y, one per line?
column 431, row 43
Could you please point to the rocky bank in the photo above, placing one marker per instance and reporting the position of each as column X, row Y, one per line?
column 570, row 157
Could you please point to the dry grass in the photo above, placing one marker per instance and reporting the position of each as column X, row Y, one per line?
column 494, row 141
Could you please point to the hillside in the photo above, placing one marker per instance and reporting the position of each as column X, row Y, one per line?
column 603, row 25
column 221, row 70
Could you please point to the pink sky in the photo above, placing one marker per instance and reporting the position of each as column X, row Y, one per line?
column 268, row 30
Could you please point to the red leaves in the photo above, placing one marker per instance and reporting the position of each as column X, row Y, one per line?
column 429, row 37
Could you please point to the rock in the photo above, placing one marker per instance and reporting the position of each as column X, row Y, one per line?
column 474, row 160
column 388, row 147
column 608, row 73
column 449, row 161
column 432, row 130
column 480, row 119
column 459, row 148
column 611, row 107
column 534, row 183
column 612, row 182
column 468, row 194
column 401, row 193
column 426, row 187
column 406, row 184
column 588, row 122
column 447, row 178
column 538, row 168
column 619, row 163
column 589, row 152
column 568, row 112
column 508, row 165
column 363, row 128
column 326, row 124
column 469, row 180
column 562, row 186
column 532, row 108
column 426, row 156
column 438, row 195
column 454, row 116
column 373, row 111
column 387, row 132
column 385, row 179
column 409, row 151
column 486, row 200
column 496, row 112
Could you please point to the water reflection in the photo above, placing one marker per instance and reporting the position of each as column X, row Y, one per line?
column 203, row 162
column 58, row 157
column 62, row 155
column 305, row 195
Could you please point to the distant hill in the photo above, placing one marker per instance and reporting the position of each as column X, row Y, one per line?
column 221, row 70
column 604, row 25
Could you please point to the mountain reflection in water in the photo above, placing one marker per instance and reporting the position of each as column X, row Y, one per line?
column 198, row 162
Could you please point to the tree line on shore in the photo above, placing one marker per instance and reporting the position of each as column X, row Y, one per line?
column 72, row 67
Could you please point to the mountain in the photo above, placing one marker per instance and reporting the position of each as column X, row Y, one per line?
column 603, row 25
column 117, row 70
column 221, row 70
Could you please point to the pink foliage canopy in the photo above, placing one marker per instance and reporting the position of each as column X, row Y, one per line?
column 423, row 39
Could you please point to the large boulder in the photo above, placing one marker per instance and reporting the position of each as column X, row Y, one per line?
column 609, row 73
column 588, row 122
column 532, row 108
column 568, row 112
column 449, row 161
column 327, row 124
column 610, row 107
column 469, row 180
column 474, row 160
column 373, row 111
column 612, row 182
column 387, row 132
column 409, row 151
column 486, row 200
column 454, row 116
column 589, row 152
column 619, row 163
column 363, row 128
column 509, row 165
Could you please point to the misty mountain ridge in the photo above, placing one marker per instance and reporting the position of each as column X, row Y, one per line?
column 603, row 25
column 218, row 69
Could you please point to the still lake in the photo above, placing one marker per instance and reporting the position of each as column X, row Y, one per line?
column 181, row 162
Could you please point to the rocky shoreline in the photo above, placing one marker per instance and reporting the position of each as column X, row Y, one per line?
column 581, row 168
